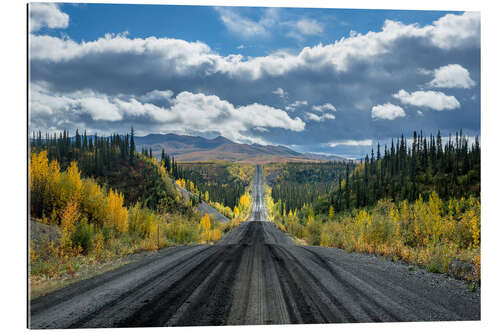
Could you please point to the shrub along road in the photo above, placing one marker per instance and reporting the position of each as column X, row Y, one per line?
column 255, row 275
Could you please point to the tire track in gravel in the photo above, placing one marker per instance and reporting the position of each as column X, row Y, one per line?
column 255, row 275
column 145, row 294
column 366, row 302
column 64, row 294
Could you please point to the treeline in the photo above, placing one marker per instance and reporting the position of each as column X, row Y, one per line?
column 168, row 161
column 113, row 162
column 294, row 185
column 95, row 154
column 409, row 169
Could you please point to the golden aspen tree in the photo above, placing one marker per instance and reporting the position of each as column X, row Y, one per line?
column 93, row 204
column 54, row 176
column 75, row 191
column 435, row 225
column 245, row 200
column 69, row 216
column 162, row 170
column 215, row 235
column 117, row 217
column 331, row 213
column 44, row 185
column 205, row 228
column 205, row 222
column 476, row 227
column 228, row 212
column 36, row 190
column 99, row 245
column 38, row 170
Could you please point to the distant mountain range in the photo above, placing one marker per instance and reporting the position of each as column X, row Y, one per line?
column 196, row 148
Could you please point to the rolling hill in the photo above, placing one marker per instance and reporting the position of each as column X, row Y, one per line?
column 196, row 148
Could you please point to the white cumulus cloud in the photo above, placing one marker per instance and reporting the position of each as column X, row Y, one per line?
column 435, row 100
column 244, row 26
column 315, row 117
column 280, row 92
column 156, row 96
column 452, row 76
column 46, row 15
column 144, row 80
column 100, row 108
column 324, row 107
column 309, row 27
column 295, row 105
column 303, row 27
column 188, row 113
column 367, row 142
column 179, row 57
column 387, row 111
column 452, row 30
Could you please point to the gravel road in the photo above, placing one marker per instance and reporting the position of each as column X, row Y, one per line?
column 255, row 275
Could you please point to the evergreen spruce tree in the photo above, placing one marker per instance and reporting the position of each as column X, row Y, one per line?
column 132, row 145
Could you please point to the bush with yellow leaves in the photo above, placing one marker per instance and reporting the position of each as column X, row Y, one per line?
column 429, row 233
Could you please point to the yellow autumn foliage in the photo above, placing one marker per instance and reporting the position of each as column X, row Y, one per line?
column 215, row 235
column 69, row 216
column 54, row 192
column 204, row 227
column 245, row 200
column 205, row 222
column 421, row 232
column 331, row 213
column 95, row 223
column 117, row 217
column 43, row 182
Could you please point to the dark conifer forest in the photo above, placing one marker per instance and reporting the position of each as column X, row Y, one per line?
column 113, row 162
column 404, row 170
column 407, row 169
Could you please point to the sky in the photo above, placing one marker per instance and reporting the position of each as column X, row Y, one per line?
column 330, row 81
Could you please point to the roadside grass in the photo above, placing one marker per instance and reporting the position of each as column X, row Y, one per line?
column 41, row 284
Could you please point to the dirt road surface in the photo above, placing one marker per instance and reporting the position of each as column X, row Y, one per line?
column 255, row 275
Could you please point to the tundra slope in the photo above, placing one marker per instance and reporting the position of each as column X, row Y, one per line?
column 255, row 275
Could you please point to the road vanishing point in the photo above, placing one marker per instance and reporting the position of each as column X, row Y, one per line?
column 255, row 275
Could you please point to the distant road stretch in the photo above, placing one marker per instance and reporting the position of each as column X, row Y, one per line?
column 255, row 275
